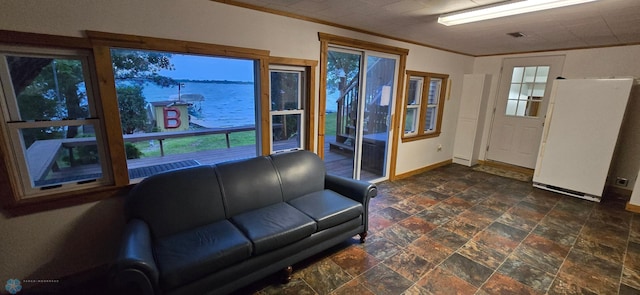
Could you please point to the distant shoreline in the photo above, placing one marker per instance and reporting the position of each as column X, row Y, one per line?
column 213, row 81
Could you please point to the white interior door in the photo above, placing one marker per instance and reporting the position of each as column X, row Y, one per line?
column 523, row 97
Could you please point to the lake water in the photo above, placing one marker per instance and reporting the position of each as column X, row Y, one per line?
column 224, row 105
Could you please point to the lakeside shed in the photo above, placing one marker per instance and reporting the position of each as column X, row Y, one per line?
column 171, row 115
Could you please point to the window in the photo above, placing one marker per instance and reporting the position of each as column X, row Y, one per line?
column 526, row 91
column 179, row 110
column 287, row 107
column 424, row 104
column 160, row 100
column 50, row 107
column 58, row 98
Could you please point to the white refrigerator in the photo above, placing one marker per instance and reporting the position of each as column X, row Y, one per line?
column 580, row 134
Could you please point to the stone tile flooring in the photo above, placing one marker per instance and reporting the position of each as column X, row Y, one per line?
column 454, row 230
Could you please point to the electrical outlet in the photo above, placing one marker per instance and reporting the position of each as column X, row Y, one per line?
column 439, row 147
column 620, row 181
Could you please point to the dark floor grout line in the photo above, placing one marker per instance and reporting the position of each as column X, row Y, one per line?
column 555, row 275
column 584, row 223
column 626, row 250
column 520, row 243
column 469, row 239
column 517, row 199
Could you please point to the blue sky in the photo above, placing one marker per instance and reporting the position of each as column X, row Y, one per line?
column 195, row 67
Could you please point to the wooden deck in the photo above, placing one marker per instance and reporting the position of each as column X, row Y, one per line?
column 41, row 156
column 336, row 163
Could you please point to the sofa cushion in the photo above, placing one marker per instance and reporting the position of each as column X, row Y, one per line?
column 274, row 226
column 190, row 196
column 248, row 184
column 193, row 254
column 301, row 173
column 327, row 208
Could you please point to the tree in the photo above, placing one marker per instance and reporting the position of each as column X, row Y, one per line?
column 284, row 96
column 54, row 89
column 33, row 105
column 48, row 89
column 343, row 70
column 132, row 69
column 132, row 104
column 139, row 67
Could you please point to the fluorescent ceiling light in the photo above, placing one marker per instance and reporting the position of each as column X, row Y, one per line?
column 512, row 8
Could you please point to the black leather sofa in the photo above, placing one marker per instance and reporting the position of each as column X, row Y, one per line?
column 213, row 229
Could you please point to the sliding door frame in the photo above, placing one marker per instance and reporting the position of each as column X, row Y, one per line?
column 327, row 40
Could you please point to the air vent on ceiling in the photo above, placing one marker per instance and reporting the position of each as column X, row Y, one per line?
column 517, row 34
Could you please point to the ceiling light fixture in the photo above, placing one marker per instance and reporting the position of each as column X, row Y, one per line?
column 511, row 8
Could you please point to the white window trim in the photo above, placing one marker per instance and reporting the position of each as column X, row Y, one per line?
column 417, row 105
column 435, row 106
column 301, row 103
column 13, row 123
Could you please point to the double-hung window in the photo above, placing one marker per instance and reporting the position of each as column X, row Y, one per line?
column 424, row 104
column 287, row 107
column 51, row 119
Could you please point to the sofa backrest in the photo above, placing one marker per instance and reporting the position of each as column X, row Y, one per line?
column 301, row 172
column 248, row 184
column 177, row 200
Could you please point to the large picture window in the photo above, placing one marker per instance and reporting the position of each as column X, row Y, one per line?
column 424, row 104
column 52, row 119
column 179, row 110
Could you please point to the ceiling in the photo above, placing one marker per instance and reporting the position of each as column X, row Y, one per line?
column 594, row 24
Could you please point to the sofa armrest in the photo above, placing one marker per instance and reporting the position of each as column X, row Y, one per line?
column 357, row 190
column 135, row 264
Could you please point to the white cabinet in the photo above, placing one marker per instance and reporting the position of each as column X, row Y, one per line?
column 473, row 106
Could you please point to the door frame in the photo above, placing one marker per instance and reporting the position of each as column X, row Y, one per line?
column 499, row 92
column 361, row 112
column 328, row 39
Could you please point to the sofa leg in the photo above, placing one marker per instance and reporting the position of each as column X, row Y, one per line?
column 363, row 236
column 286, row 274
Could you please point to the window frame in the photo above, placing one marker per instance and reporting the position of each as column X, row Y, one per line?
column 14, row 123
column 532, row 98
column 104, row 42
column 415, row 106
column 423, row 105
column 309, row 98
column 255, row 103
column 99, row 45
column 329, row 40
column 302, row 103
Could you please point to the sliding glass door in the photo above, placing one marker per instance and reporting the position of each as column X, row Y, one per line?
column 360, row 87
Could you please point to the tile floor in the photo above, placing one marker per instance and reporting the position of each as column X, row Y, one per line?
column 457, row 231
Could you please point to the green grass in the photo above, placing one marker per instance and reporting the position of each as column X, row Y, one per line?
column 212, row 142
column 196, row 143
column 330, row 124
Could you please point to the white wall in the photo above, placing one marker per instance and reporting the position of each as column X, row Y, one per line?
column 600, row 62
column 57, row 243
column 418, row 154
